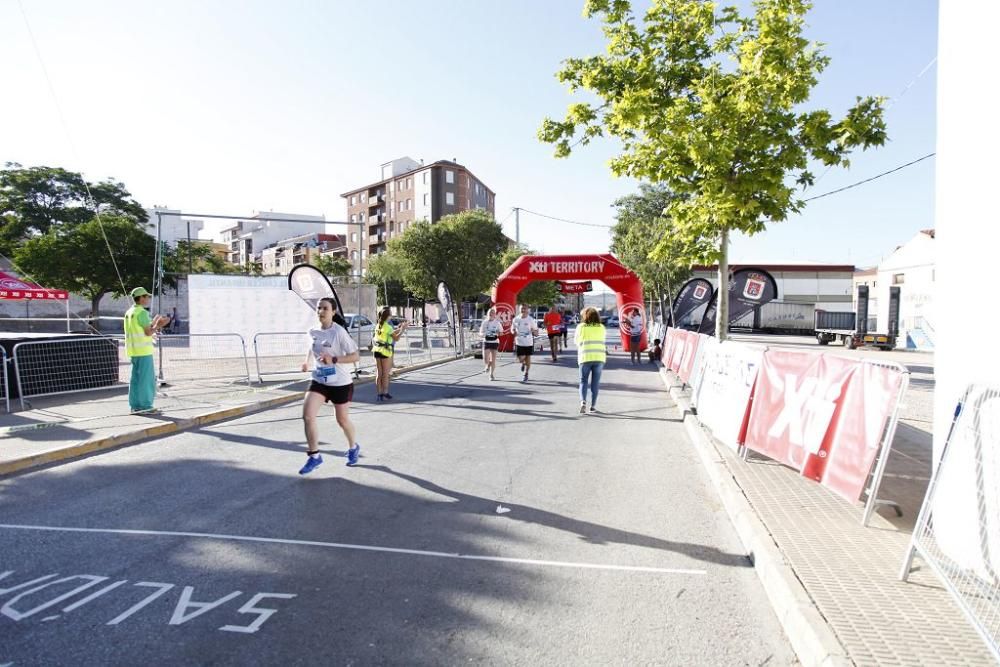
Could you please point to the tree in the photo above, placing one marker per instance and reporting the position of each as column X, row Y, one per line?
column 640, row 228
column 538, row 292
column 195, row 257
column 386, row 272
column 463, row 250
column 333, row 266
column 34, row 200
column 77, row 259
column 709, row 103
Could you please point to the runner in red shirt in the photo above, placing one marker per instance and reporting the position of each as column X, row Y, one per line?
column 553, row 326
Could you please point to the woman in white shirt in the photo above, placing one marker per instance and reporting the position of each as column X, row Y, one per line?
column 335, row 351
column 635, row 339
column 491, row 329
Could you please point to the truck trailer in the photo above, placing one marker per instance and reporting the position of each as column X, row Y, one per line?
column 851, row 329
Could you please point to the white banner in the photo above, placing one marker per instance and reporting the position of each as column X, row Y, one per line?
column 728, row 373
column 706, row 344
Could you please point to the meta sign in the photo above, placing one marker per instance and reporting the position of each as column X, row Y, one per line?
column 574, row 288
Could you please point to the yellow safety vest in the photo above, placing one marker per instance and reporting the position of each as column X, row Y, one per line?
column 591, row 346
column 137, row 343
column 383, row 342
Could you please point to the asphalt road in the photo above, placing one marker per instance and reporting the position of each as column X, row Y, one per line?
column 488, row 522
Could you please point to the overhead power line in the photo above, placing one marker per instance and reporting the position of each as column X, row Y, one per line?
column 571, row 222
column 868, row 180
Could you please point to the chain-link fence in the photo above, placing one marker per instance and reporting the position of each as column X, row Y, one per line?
column 958, row 530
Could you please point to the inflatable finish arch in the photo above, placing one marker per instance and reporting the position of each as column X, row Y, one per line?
column 606, row 268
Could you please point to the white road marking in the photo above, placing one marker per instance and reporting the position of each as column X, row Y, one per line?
column 356, row 547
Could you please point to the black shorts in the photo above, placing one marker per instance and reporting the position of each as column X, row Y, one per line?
column 379, row 355
column 525, row 350
column 495, row 345
column 553, row 336
column 636, row 339
column 336, row 395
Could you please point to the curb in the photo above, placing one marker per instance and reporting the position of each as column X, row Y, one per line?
column 811, row 637
column 106, row 443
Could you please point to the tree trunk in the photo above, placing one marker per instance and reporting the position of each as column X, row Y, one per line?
column 668, row 311
column 95, row 306
column 722, row 310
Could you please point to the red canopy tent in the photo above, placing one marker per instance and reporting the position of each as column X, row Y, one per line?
column 13, row 288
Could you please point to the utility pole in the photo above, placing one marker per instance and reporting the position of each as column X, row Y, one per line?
column 517, row 225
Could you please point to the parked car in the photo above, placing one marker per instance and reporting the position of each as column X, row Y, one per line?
column 361, row 329
column 613, row 321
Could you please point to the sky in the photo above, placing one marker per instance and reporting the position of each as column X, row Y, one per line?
column 234, row 107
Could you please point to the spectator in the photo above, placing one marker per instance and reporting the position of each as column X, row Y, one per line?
column 656, row 352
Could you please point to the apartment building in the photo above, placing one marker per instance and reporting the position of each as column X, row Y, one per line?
column 247, row 238
column 279, row 258
column 406, row 192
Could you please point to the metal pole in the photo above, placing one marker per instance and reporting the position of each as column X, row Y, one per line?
column 517, row 225
column 190, row 254
column 158, row 280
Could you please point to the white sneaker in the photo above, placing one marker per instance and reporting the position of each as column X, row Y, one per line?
column 583, row 408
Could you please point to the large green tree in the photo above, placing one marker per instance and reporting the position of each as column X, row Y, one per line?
column 540, row 292
column 78, row 259
column 711, row 103
column 640, row 229
column 463, row 250
column 34, row 200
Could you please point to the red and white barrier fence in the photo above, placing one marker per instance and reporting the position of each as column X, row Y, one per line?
column 828, row 417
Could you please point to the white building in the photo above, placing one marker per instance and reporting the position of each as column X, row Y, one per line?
column 911, row 268
column 247, row 238
column 173, row 227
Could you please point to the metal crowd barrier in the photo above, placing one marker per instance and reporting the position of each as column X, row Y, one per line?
column 885, row 443
column 4, row 383
column 48, row 367
column 958, row 529
column 202, row 357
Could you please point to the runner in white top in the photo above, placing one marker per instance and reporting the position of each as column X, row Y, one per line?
column 335, row 352
column 524, row 329
column 491, row 329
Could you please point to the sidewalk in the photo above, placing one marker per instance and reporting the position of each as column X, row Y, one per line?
column 67, row 426
column 834, row 584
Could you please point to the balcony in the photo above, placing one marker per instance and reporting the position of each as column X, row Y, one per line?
column 375, row 200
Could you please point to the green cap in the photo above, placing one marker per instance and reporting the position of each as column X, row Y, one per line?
column 139, row 291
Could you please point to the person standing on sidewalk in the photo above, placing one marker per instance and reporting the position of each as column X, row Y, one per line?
column 383, row 345
column 491, row 329
column 334, row 351
column 139, row 330
column 553, row 327
column 635, row 337
column 591, row 355
column 524, row 329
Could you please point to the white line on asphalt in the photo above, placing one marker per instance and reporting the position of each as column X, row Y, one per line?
column 356, row 547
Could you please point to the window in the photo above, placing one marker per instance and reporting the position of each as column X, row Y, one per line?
column 409, row 183
column 449, row 176
column 425, row 177
column 426, row 198
column 399, row 205
column 361, row 217
column 352, row 200
column 409, row 204
column 898, row 278
column 449, row 198
column 354, row 254
column 354, row 218
column 363, row 197
column 354, row 237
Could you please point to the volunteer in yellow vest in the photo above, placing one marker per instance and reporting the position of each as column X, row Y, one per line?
column 139, row 330
column 591, row 354
column 383, row 343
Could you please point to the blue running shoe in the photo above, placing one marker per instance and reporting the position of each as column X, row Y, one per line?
column 352, row 454
column 312, row 463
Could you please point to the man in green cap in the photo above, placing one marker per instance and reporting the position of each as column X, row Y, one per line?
column 139, row 330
